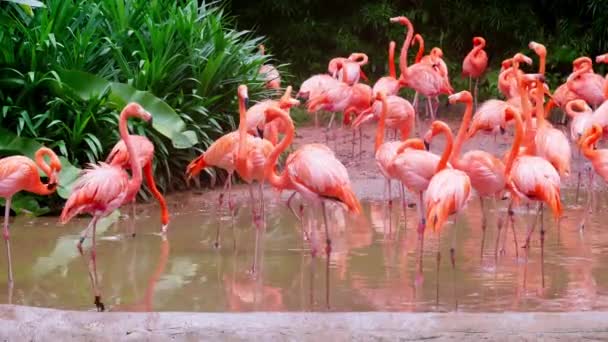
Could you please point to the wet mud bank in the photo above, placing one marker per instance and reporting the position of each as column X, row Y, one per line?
column 19, row 323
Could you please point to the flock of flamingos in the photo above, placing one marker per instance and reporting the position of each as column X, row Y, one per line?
column 540, row 155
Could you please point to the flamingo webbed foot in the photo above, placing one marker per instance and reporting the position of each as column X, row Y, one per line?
column 98, row 304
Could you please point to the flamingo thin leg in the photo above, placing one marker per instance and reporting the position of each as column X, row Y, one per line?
column 328, row 252
column 7, row 240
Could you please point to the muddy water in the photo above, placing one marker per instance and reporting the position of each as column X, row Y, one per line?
column 374, row 264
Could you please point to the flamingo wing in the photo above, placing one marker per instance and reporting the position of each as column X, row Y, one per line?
column 101, row 189
column 447, row 193
column 535, row 178
column 119, row 156
column 15, row 174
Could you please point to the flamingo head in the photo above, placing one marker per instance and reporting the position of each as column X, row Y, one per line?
column 529, row 79
column 479, row 41
column 436, row 128
column 358, row 57
column 136, row 110
column 437, row 52
column 401, row 19
column 538, row 48
column 287, row 101
column 243, row 94
column 521, row 58
column 380, row 96
column 594, row 131
column 602, row 58
column 55, row 170
column 463, row 96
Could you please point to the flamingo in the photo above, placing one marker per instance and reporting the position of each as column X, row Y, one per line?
column 486, row 172
column 256, row 121
column 119, row 156
column 582, row 118
column 314, row 87
column 270, row 74
column 402, row 114
column 550, row 143
column 312, row 170
column 315, row 173
column 531, row 177
column 415, row 167
column 225, row 151
column 586, row 84
column 475, row 63
column 19, row 173
column 421, row 77
column 103, row 188
column 348, row 70
column 448, row 191
column 507, row 83
column 390, row 84
column 597, row 157
column 435, row 59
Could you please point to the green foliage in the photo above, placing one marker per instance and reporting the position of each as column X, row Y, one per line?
column 309, row 33
column 66, row 70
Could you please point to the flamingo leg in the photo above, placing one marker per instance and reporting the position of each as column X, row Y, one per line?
column 588, row 208
column 133, row 217
column 542, row 245
column 360, row 142
column 331, row 121
column 93, row 267
column 438, row 259
column 254, row 212
column 422, row 223
column 532, row 227
column 300, row 217
column 483, row 214
column 415, row 103
column 7, row 240
column 511, row 222
column 327, row 251
column 470, row 85
column 403, row 204
column 149, row 175
column 430, row 108
column 476, row 90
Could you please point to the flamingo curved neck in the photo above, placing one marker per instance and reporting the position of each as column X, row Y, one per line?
column 443, row 162
column 587, row 145
column 391, row 60
column 135, row 181
column 275, row 179
column 405, row 48
column 516, row 141
column 542, row 63
column 420, row 52
column 41, row 163
column 462, row 132
column 241, row 160
column 540, row 97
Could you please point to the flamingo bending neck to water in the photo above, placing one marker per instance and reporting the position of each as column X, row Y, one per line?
column 103, row 188
column 19, row 173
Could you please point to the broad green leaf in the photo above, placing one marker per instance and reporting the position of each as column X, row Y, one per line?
column 184, row 139
column 24, row 202
column 84, row 85
column 68, row 176
column 166, row 120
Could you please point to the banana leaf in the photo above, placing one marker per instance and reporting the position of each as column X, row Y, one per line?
column 166, row 121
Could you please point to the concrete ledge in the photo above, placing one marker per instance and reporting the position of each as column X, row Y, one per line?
column 20, row 323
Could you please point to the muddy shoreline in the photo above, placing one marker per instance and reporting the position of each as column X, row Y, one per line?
column 21, row 323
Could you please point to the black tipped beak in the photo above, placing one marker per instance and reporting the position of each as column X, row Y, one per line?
column 246, row 100
column 260, row 132
column 151, row 120
column 427, row 146
column 51, row 186
column 502, row 130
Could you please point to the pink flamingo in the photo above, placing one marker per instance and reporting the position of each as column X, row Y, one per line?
column 402, row 117
column 423, row 78
column 486, row 172
column 586, row 84
column 224, row 153
column 597, row 157
column 256, row 119
column 348, row 70
column 19, row 173
column 315, row 173
column 314, row 87
column 448, row 191
column 582, row 118
column 507, row 83
column 415, row 168
column 270, row 74
column 390, row 84
column 103, row 188
column 119, row 156
column 475, row 63
column 434, row 59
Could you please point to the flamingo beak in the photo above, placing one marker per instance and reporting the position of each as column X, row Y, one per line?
column 246, row 101
column 260, row 132
column 502, row 130
column 427, row 145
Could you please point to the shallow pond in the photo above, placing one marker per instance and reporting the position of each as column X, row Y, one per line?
column 373, row 265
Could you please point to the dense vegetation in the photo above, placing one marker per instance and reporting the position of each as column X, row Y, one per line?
column 308, row 33
column 66, row 70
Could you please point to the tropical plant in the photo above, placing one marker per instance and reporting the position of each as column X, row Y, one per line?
column 66, row 70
